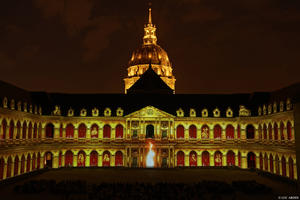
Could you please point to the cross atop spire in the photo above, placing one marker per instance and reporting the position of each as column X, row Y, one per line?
column 150, row 35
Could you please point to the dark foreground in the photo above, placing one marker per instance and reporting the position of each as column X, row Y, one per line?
column 143, row 184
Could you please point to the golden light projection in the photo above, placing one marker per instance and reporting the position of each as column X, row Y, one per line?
column 150, row 157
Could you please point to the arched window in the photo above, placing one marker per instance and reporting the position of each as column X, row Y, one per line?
column 18, row 130
column 193, row 132
column 266, row 162
column 94, row 159
column 217, row 131
column 16, row 166
column 275, row 131
column 119, row 131
column 271, row 163
column 218, row 158
column 48, row 159
column 150, row 131
column 180, row 132
column 289, row 130
column 11, row 129
column 265, row 131
column 205, row 158
column 250, row 131
column 106, row 159
column 204, row 132
column 239, row 131
column 35, row 131
column 270, row 131
column 22, row 164
column 8, row 170
column 82, row 131
column 24, row 130
column 94, row 131
column 193, row 159
column 49, row 130
column 283, row 166
column 229, row 132
column 291, row 168
column 281, row 130
column 261, row 162
column 28, row 163
column 4, row 126
column 69, row 159
column 119, row 159
column 81, row 159
column 70, row 131
column 106, row 131
column 40, row 130
column 29, row 130
column 230, row 158
column 251, row 160
column 1, row 168
column 277, row 165
column 33, row 162
column 180, row 159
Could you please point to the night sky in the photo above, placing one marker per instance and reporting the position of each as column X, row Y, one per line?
column 215, row 46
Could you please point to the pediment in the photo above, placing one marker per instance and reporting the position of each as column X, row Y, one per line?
column 149, row 112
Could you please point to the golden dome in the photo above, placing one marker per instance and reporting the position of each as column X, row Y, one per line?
column 150, row 53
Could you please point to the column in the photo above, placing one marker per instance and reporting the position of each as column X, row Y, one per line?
column 56, row 131
column 169, row 158
column 55, row 159
column 5, row 169
column 224, row 159
column 75, row 134
column 63, row 164
column 1, row 131
column 236, row 159
column 280, row 166
column 64, row 132
column 243, row 132
column 43, row 132
column 87, row 160
column 75, row 154
column 113, row 133
column 139, row 157
column 12, row 170
column 100, row 159
column 295, row 170
column 19, row 166
column 257, row 161
column 211, row 159
column 186, row 133
column 41, row 161
column 112, row 160
column 244, row 160
column 223, row 134
column 199, row 160
column 211, row 134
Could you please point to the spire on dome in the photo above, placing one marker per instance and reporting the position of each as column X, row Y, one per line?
column 150, row 35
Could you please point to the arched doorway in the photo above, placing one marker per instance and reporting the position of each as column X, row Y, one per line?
column 70, row 131
column 149, row 131
column 251, row 160
column 218, row 158
column 119, row 159
column 94, row 159
column 217, row 132
column 230, row 158
column 250, row 131
column 205, row 158
column 193, row 159
column 229, row 132
column 180, row 159
column 69, row 159
column 82, row 131
column 180, row 132
column 81, row 159
column 106, row 131
column 48, row 159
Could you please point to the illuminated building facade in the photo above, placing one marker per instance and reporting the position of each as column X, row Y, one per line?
column 39, row 129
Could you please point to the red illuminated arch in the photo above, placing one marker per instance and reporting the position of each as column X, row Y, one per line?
column 16, row 166
column 251, row 160
column 24, row 130
column 180, row 159
column 193, row 159
column 217, row 132
column 106, row 159
column 265, row 131
column 281, row 130
column 18, row 130
column 277, row 165
column 70, row 131
column 260, row 132
column 82, row 131
column 49, row 130
column 250, row 131
column 180, row 132
column 119, row 159
column 275, row 131
column 2, row 163
column 33, row 162
column 271, row 163
column 4, row 126
column 291, row 168
column 266, row 162
column 283, row 166
column 261, row 165
column 119, row 131
column 106, row 131
column 28, row 163
column 29, row 130
column 69, row 159
column 193, row 132
column 22, row 164
column 94, row 159
column 289, row 130
column 218, row 158
column 270, row 131
column 205, row 158
column 81, row 159
column 9, row 165
column 94, row 131
column 229, row 132
column 35, row 131
column 11, row 129
column 230, row 158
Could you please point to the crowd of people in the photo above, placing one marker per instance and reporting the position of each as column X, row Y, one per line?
column 143, row 191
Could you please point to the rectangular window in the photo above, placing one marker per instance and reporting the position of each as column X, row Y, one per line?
column 164, row 133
